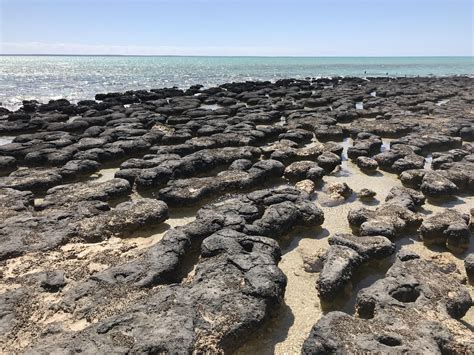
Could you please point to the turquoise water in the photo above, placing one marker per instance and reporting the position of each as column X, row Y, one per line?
column 81, row 77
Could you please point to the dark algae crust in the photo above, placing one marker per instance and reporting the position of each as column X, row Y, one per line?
column 314, row 216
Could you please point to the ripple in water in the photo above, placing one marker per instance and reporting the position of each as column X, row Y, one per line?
column 80, row 77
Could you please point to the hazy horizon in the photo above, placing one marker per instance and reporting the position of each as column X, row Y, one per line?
column 225, row 56
column 259, row 28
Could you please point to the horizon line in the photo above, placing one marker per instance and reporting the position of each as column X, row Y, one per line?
column 230, row 56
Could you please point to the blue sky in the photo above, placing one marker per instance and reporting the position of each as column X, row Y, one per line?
column 238, row 27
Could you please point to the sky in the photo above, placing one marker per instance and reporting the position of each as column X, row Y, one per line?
column 238, row 27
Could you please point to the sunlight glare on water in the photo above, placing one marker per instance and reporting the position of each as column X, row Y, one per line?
column 81, row 77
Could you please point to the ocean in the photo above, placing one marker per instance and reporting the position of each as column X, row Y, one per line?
column 81, row 77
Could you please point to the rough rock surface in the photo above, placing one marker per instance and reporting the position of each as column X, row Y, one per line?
column 449, row 228
column 236, row 278
column 469, row 265
column 366, row 194
column 345, row 254
column 365, row 144
column 408, row 309
column 69, row 212
column 235, row 285
column 367, row 164
column 392, row 218
column 152, row 220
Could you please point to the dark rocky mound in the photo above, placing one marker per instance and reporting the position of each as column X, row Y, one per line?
column 234, row 286
column 394, row 217
column 450, row 228
column 345, row 254
column 413, row 307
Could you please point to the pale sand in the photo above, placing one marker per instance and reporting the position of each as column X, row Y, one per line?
column 79, row 261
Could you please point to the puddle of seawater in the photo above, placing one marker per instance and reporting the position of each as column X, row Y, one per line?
column 346, row 143
column 104, row 174
column 210, row 107
column 380, row 182
column 428, row 160
column 373, row 93
column 359, row 105
column 442, row 102
column 286, row 331
column 6, row 140
column 461, row 203
column 385, row 144
column 73, row 118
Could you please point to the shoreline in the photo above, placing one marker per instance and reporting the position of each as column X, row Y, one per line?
column 18, row 102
